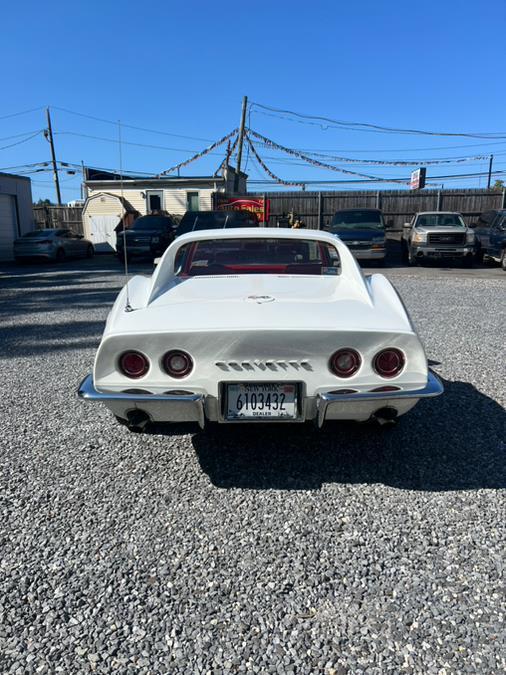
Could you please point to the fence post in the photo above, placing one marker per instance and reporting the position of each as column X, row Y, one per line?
column 504, row 198
column 438, row 207
column 319, row 210
column 378, row 200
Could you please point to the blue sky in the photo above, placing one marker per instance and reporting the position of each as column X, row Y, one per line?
column 182, row 69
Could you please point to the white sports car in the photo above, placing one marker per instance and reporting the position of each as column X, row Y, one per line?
column 263, row 325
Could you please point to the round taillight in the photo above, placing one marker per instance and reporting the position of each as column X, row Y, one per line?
column 177, row 363
column 389, row 362
column 133, row 364
column 345, row 362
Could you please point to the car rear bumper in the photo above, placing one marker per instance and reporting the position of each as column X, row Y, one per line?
column 189, row 406
column 369, row 253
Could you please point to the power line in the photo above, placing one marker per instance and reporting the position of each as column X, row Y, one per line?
column 11, row 145
column 23, row 112
column 365, row 126
column 130, row 126
column 115, row 140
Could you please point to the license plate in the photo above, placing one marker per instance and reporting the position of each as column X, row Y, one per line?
column 261, row 401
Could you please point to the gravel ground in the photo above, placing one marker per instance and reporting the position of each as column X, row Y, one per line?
column 356, row 550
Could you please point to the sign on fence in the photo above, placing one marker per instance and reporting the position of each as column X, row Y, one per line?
column 257, row 205
column 418, row 179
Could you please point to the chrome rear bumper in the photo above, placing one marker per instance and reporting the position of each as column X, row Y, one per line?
column 188, row 406
column 434, row 387
column 181, row 406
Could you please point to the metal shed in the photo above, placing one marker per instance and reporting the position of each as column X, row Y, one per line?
column 16, row 215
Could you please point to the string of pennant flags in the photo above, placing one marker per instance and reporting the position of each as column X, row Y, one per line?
column 266, row 168
column 311, row 158
column 200, row 154
column 315, row 162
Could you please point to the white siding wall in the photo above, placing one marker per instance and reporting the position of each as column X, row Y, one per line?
column 174, row 199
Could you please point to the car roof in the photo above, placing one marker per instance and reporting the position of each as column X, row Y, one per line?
column 358, row 209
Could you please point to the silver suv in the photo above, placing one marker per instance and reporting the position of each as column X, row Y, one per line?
column 438, row 234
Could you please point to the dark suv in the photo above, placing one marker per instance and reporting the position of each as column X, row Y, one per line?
column 486, row 228
column 148, row 236
column 193, row 221
column 363, row 231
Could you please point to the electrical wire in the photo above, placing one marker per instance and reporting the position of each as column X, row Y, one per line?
column 365, row 126
column 23, row 112
column 115, row 140
column 11, row 145
column 130, row 126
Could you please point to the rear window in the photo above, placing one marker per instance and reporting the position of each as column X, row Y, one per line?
column 357, row 220
column 152, row 223
column 257, row 256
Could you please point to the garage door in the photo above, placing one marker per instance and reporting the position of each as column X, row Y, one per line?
column 7, row 225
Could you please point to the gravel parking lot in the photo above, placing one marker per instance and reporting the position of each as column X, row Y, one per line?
column 265, row 550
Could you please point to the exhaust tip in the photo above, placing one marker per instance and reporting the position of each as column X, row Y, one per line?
column 386, row 415
column 137, row 420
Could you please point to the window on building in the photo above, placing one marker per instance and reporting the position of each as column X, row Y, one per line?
column 192, row 201
column 154, row 200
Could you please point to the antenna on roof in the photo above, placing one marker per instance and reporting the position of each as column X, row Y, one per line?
column 128, row 306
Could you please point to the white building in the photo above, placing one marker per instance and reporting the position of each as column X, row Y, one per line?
column 16, row 214
column 109, row 198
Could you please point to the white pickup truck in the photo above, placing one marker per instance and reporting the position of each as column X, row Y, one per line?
column 438, row 234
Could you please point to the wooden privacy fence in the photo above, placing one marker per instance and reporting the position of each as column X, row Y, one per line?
column 317, row 208
column 70, row 217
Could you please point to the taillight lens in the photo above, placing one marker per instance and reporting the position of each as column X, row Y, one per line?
column 345, row 362
column 133, row 364
column 389, row 362
column 177, row 363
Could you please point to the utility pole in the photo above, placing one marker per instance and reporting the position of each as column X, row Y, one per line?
column 490, row 171
column 49, row 137
column 241, row 138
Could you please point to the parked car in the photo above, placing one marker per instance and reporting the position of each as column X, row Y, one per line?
column 147, row 236
column 433, row 235
column 52, row 244
column 194, row 221
column 496, row 249
column 363, row 231
column 255, row 325
column 487, row 221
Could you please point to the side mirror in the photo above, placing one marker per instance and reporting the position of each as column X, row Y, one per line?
column 156, row 261
column 406, row 225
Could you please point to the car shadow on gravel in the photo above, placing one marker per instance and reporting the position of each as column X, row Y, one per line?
column 454, row 442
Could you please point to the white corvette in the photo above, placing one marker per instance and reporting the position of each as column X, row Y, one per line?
column 263, row 325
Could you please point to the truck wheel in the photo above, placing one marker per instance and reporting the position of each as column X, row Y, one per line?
column 503, row 260
column 411, row 258
column 404, row 253
column 467, row 261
